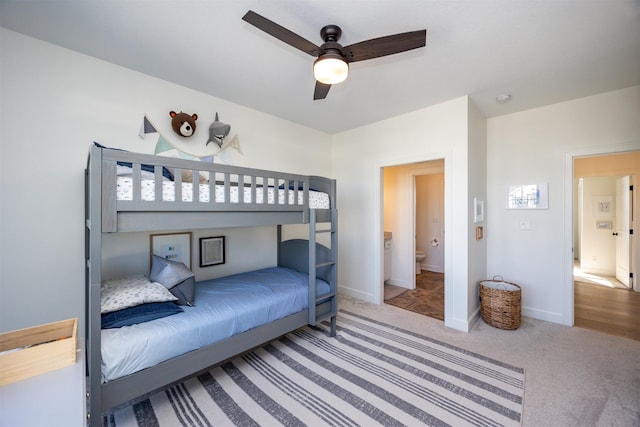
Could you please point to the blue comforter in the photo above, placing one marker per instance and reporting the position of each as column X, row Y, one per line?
column 223, row 307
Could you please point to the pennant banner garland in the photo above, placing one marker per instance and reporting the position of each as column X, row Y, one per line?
column 171, row 145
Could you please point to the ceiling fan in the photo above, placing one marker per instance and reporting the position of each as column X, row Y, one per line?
column 332, row 63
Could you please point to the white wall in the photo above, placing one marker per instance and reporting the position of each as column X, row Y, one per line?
column 438, row 132
column 477, row 166
column 537, row 146
column 53, row 103
column 430, row 220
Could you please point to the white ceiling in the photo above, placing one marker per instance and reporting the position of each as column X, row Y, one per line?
column 540, row 51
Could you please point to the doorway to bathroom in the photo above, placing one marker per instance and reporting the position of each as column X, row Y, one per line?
column 414, row 206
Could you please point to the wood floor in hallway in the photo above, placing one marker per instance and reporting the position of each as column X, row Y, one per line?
column 612, row 311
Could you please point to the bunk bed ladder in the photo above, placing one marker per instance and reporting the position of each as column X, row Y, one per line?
column 326, row 306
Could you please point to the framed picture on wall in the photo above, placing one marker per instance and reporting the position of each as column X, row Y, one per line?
column 604, row 206
column 211, row 251
column 528, row 196
column 172, row 246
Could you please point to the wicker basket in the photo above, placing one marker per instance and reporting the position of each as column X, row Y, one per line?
column 500, row 303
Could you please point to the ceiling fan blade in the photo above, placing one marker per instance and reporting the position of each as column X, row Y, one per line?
column 321, row 91
column 383, row 46
column 281, row 33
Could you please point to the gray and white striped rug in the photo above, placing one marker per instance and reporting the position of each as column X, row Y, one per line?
column 372, row 373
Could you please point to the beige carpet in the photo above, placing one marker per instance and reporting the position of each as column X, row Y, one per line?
column 574, row 376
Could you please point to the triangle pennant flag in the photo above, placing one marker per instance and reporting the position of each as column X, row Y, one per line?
column 146, row 127
column 162, row 145
column 224, row 157
column 186, row 156
column 233, row 142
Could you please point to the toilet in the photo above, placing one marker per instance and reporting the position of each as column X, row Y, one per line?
column 419, row 257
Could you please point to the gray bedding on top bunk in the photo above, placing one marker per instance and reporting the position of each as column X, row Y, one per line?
column 223, row 307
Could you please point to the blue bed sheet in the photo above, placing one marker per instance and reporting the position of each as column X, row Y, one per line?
column 223, row 307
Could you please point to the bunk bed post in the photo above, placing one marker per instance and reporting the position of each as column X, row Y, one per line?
column 312, row 267
column 279, row 250
column 334, row 254
column 334, row 268
column 93, row 267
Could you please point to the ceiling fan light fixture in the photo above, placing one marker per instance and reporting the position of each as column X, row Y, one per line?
column 330, row 69
column 332, row 59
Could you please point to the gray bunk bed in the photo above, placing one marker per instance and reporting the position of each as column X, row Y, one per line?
column 231, row 197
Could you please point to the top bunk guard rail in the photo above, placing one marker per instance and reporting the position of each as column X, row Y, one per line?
column 243, row 191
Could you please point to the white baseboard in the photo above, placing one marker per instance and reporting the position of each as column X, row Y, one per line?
column 401, row 283
column 355, row 293
column 434, row 268
column 547, row 316
column 475, row 316
column 458, row 324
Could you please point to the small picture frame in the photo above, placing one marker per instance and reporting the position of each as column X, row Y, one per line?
column 604, row 206
column 528, row 196
column 172, row 246
column 478, row 210
column 211, row 251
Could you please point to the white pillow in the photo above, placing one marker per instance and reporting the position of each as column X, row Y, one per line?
column 131, row 291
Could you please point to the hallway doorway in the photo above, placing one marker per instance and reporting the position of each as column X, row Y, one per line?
column 602, row 301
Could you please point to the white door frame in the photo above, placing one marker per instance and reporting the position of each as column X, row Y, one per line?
column 378, row 296
column 568, row 300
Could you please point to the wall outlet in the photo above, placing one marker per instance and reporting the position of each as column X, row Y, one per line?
column 525, row 224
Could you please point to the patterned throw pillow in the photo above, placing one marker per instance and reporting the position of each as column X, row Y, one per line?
column 131, row 291
column 176, row 277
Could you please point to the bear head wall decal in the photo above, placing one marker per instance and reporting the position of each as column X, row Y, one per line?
column 182, row 123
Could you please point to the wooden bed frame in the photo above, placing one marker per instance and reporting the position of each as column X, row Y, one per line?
column 105, row 214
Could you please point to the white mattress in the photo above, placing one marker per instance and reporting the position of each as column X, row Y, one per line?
column 317, row 200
